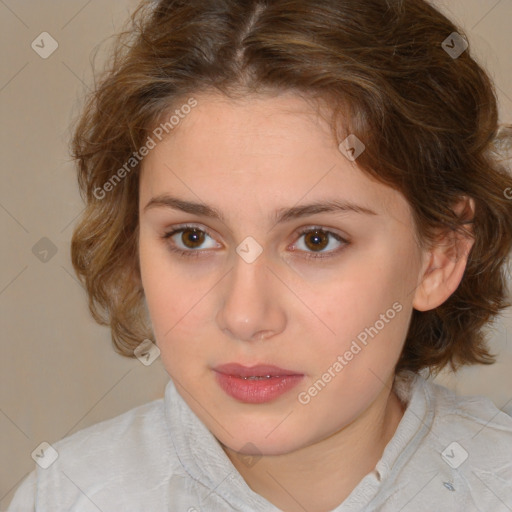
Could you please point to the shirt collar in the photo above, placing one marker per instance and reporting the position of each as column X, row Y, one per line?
column 204, row 460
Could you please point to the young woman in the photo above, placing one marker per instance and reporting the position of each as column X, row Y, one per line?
column 301, row 203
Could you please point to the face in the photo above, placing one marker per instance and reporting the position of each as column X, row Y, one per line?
column 325, row 296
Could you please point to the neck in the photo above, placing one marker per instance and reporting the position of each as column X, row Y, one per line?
column 319, row 477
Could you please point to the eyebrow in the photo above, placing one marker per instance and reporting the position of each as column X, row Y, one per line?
column 280, row 216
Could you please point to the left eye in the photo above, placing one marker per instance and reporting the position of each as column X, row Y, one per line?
column 316, row 240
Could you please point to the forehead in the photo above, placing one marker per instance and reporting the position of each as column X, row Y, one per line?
column 272, row 150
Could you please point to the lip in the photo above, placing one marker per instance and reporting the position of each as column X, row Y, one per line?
column 259, row 370
column 233, row 378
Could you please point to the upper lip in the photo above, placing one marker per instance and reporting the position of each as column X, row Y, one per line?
column 259, row 370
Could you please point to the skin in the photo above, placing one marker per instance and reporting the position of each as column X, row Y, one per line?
column 247, row 159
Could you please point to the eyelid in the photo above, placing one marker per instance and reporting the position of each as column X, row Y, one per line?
column 183, row 227
column 298, row 233
column 311, row 255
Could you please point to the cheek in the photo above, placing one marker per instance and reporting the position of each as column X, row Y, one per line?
column 368, row 304
column 152, row 272
column 173, row 298
column 161, row 286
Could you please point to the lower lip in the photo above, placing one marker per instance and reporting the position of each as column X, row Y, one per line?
column 257, row 391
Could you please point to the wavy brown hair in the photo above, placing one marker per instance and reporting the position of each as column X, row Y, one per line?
column 429, row 122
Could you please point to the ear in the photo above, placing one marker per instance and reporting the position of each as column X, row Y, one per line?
column 445, row 262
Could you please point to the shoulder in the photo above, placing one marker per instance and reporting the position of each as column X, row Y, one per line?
column 97, row 461
column 472, row 439
column 121, row 438
column 469, row 416
column 452, row 452
column 472, row 423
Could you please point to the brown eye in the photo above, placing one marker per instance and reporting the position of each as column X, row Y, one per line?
column 313, row 241
column 316, row 240
column 192, row 238
column 188, row 240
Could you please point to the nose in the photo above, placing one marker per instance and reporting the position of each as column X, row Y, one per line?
column 250, row 306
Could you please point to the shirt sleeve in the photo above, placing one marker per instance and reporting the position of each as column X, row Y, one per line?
column 25, row 496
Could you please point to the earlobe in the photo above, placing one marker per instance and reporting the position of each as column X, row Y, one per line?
column 443, row 267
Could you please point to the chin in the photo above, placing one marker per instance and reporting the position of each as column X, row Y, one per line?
column 256, row 444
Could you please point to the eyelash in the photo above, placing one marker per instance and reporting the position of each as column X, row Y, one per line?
column 307, row 255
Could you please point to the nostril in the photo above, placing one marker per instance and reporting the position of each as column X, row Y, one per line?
column 262, row 335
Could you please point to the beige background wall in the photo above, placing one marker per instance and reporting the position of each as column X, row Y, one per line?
column 58, row 372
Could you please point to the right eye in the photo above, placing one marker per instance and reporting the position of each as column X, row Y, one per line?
column 191, row 239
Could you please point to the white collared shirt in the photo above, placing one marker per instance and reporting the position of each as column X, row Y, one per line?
column 449, row 453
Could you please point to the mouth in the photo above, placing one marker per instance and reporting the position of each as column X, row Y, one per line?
column 259, row 371
column 255, row 384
